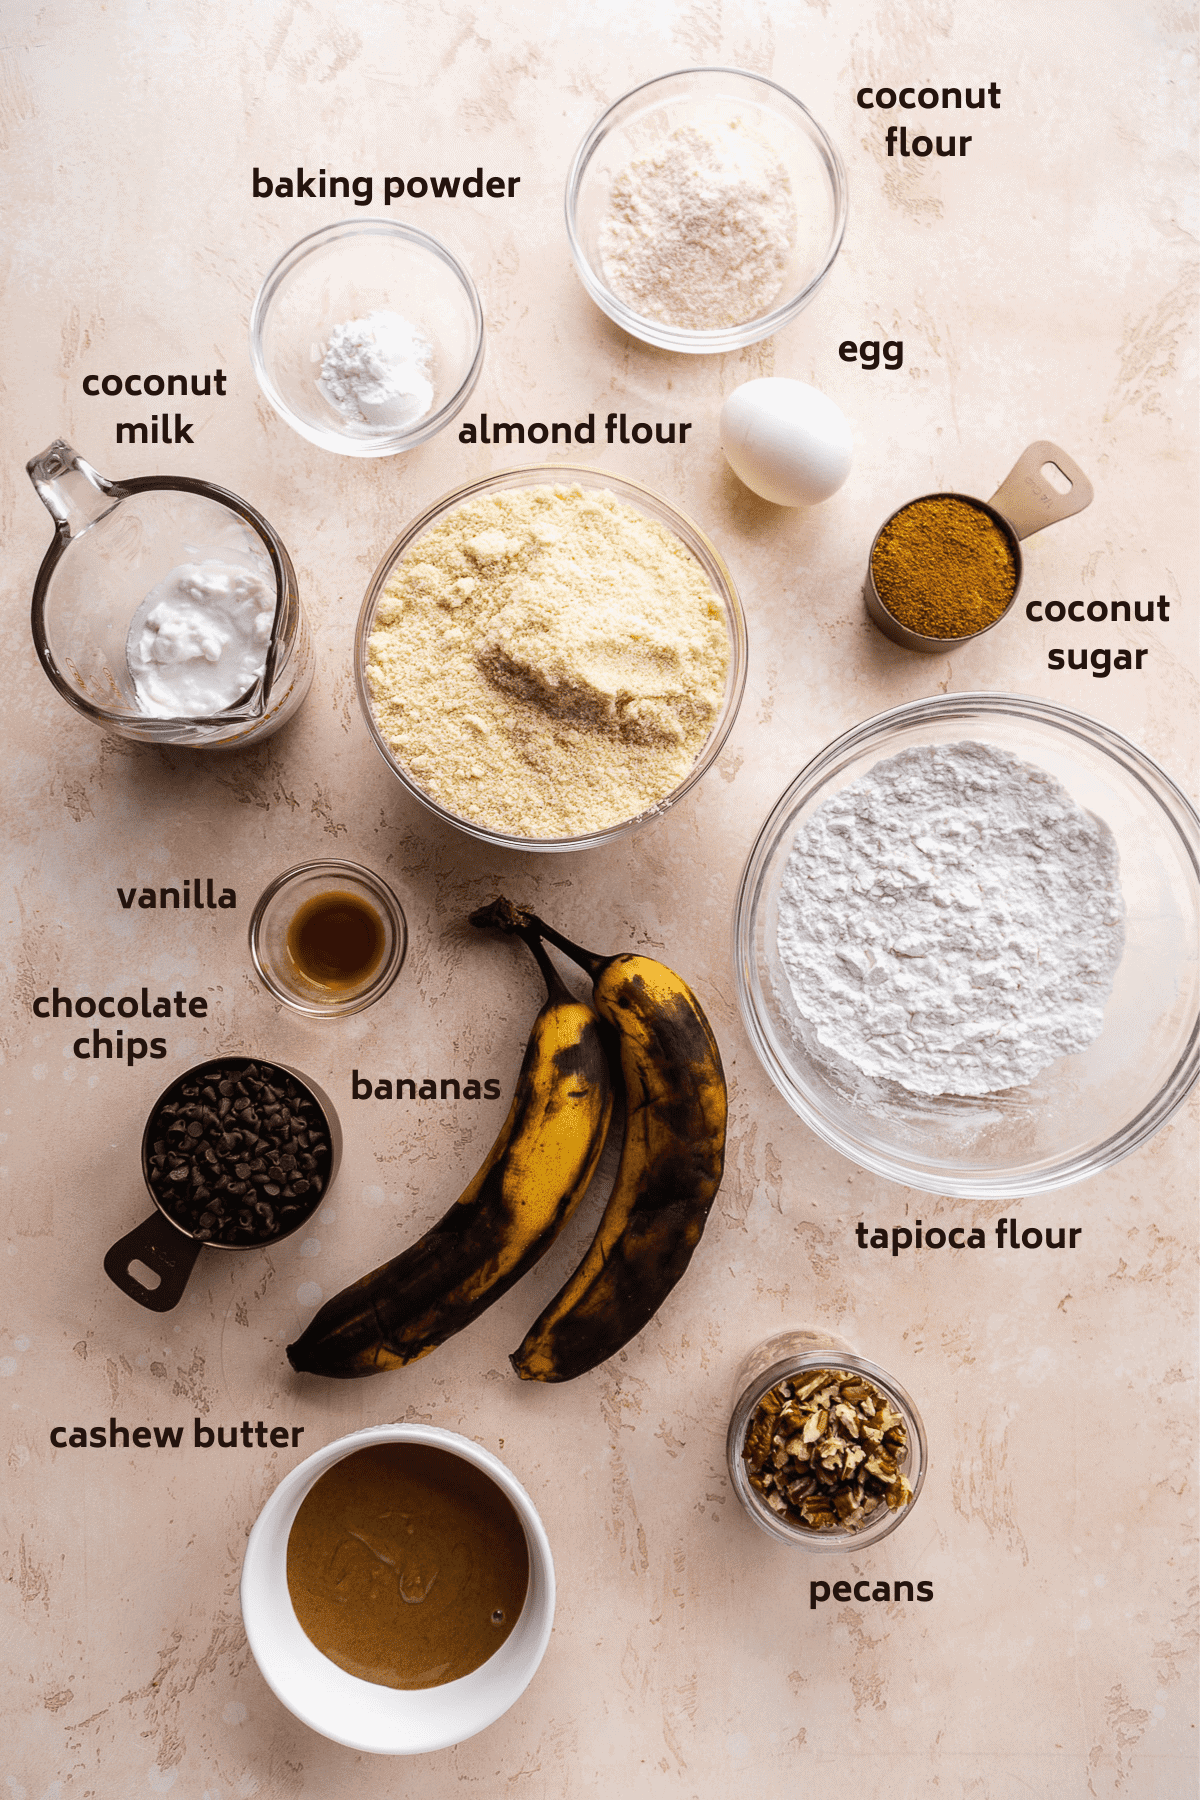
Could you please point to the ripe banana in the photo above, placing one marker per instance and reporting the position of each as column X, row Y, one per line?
column 671, row 1160
column 534, row 1176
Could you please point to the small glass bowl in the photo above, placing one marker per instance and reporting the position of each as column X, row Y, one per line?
column 630, row 493
column 343, row 272
column 788, row 1357
column 1083, row 1112
column 708, row 96
column 278, row 906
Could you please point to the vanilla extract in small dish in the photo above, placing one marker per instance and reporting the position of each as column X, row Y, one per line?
column 328, row 938
column 407, row 1566
column 336, row 940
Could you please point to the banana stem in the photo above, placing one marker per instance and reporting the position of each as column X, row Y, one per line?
column 556, row 987
column 517, row 921
column 587, row 959
column 501, row 915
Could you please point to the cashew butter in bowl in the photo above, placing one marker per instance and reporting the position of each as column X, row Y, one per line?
column 398, row 1590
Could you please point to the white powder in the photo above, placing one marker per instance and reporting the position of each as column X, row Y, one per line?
column 376, row 371
column 699, row 230
column 952, row 921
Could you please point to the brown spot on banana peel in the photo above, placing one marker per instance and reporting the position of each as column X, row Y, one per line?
column 671, row 1166
column 527, row 1188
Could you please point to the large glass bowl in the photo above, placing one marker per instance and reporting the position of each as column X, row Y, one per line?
column 1083, row 1112
column 630, row 493
column 343, row 272
column 708, row 96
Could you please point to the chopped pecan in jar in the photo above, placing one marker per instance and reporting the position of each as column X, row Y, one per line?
column 825, row 1451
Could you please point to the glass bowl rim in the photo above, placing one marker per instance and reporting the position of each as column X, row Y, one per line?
column 784, row 1370
column 561, row 474
column 1180, row 815
column 389, row 969
column 657, row 332
column 382, row 443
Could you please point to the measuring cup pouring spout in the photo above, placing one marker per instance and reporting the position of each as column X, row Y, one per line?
column 120, row 552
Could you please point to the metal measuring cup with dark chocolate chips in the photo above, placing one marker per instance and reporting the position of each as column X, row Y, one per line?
column 237, row 1153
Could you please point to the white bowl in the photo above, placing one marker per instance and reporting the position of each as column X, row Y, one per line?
column 362, row 1714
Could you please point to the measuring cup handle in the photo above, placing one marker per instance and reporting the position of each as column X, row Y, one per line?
column 73, row 493
column 1025, row 497
column 167, row 1253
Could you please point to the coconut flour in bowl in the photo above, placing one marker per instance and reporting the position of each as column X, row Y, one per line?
column 952, row 921
column 547, row 662
column 699, row 229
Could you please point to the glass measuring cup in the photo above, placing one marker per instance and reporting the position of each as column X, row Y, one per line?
column 116, row 541
column 164, row 1247
column 1024, row 502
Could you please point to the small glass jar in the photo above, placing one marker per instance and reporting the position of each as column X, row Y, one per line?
column 285, row 901
column 789, row 1357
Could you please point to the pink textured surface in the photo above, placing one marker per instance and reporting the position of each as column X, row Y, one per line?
column 1041, row 289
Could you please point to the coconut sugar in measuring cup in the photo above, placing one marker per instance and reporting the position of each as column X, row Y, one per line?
column 947, row 560
column 166, row 609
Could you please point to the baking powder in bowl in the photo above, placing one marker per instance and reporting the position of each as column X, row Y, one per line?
column 376, row 371
column 952, row 921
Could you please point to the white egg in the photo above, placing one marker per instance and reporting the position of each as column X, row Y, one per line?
column 786, row 441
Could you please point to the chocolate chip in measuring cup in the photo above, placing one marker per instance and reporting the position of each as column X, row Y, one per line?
column 224, row 1163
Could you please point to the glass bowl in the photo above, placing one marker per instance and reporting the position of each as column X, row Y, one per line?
column 1081, row 1113
column 789, row 1357
column 280, row 904
column 362, row 1714
column 343, row 272
column 630, row 493
column 707, row 96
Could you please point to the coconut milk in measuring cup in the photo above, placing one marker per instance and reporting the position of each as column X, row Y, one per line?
column 166, row 609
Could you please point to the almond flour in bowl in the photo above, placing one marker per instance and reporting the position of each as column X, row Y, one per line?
column 544, row 663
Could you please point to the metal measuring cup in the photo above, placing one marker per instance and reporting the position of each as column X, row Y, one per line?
column 169, row 1250
column 1022, row 504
